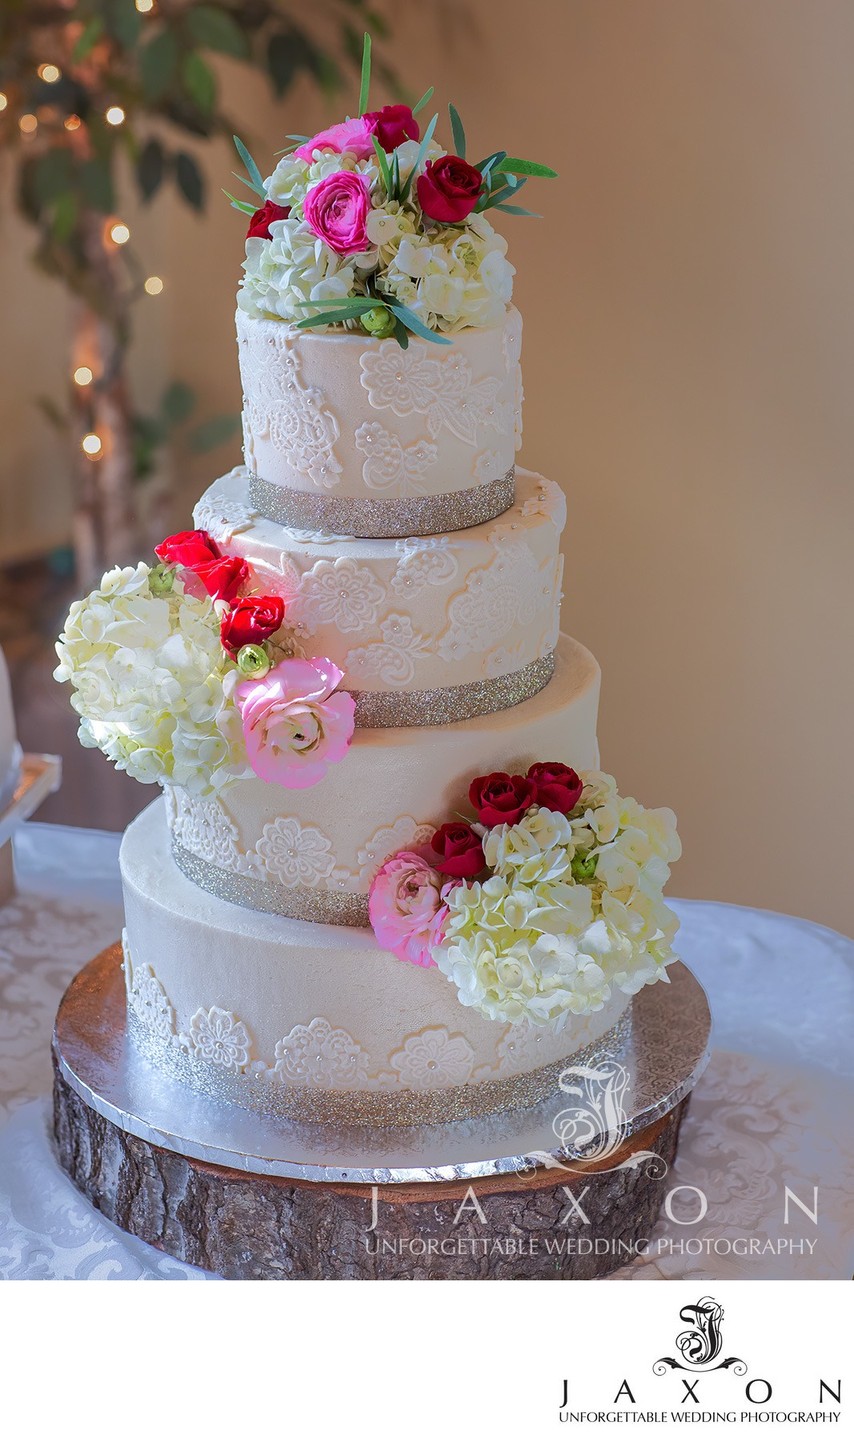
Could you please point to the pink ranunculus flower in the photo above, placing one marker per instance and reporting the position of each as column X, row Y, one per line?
column 352, row 135
column 294, row 724
column 407, row 908
column 336, row 210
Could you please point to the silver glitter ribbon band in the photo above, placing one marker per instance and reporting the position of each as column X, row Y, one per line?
column 383, row 518
column 378, row 708
column 266, row 1093
column 314, row 905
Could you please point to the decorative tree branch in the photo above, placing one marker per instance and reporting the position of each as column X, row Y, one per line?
column 83, row 83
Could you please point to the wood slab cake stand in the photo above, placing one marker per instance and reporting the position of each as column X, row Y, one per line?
column 242, row 1196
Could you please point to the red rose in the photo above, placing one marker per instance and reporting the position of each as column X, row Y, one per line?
column 501, row 798
column 556, row 786
column 259, row 225
column 448, row 190
column 222, row 578
column 190, row 548
column 459, row 848
column 392, row 125
column 251, row 621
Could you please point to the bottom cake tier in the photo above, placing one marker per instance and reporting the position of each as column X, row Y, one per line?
column 314, row 1021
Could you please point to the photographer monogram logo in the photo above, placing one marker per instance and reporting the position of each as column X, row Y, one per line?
column 699, row 1347
column 591, row 1134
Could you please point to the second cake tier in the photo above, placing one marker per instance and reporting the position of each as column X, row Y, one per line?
column 311, row 853
column 424, row 630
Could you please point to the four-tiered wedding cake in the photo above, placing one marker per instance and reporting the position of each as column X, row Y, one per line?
column 359, row 639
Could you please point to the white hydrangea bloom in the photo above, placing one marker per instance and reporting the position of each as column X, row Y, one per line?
column 572, row 912
column 150, row 683
column 452, row 277
column 280, row 273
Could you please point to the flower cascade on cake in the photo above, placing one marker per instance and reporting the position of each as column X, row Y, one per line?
column 543, row 903
column 183, row 675
column 372, row 224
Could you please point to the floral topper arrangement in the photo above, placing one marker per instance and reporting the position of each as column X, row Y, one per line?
column 181, row 675
column 544, row 903
column 372, row 224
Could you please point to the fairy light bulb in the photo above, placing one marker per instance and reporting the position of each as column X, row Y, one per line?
column 144, row 6
column 154, row 284
column 115, row 115
column 83, row 375
column 28, row 124
column 91, row 445
column 119, row 232
column 72, row 122
column 4, row 100
column 49, row 73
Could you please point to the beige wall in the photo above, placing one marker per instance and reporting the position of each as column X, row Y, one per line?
column 688, row 361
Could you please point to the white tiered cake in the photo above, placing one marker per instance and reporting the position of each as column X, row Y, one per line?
column 375, row 598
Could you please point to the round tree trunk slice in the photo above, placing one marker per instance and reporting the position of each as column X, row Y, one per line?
column 549, row 1224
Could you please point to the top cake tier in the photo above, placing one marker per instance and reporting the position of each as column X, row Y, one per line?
column 354, row 435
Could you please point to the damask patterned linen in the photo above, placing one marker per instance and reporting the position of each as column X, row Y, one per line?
column 772, row 1111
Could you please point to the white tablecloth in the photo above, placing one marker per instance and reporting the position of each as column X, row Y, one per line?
column 772, row 1111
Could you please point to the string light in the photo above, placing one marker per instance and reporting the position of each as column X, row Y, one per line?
column 72, row 122
column 28, row 124
column 83, row 375
column 91, row 445
column 115, row 115
column 154, row 284
column 4, row 100
column 119, row 232
column 144, row 6
column 50, row 74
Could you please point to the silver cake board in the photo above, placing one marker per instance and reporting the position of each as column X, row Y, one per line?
column 248, row 1196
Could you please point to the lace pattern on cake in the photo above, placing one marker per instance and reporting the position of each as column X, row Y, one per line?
column 388, row 463
column 405, row 832
column 293, row 854
column 336, row 591
column 321, row 1056
column 217, row 1037
column 145, row 996
column 202, row 826
column 393, row 659
column 434, row 1058
column 278, row 406
column 409, row 381
column 423, row 562
column 225, row 518
column 511, row 589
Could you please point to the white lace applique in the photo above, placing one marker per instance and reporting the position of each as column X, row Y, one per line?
column 292, row 854
column 339, row 592
column 521, row 1047
column 294, row 417
column 434, row 1058
column 489, row 466
column 315, row 536
column 502, row 661
column 217, row 1037
column 508, row 591
column 388, row 463
column 145, row 995
column 512, row 344
column 405, row 832
column 422, row 562
column 545, row 501
column 393, row 660
column 321, row 1056
column 411, row 382
column 554, row 592
column 202, row 826
column 223, row 518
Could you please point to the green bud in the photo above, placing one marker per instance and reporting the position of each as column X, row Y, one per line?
column 253, row 660
column 379, row 322
column 583, row 869
column 161, row 579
